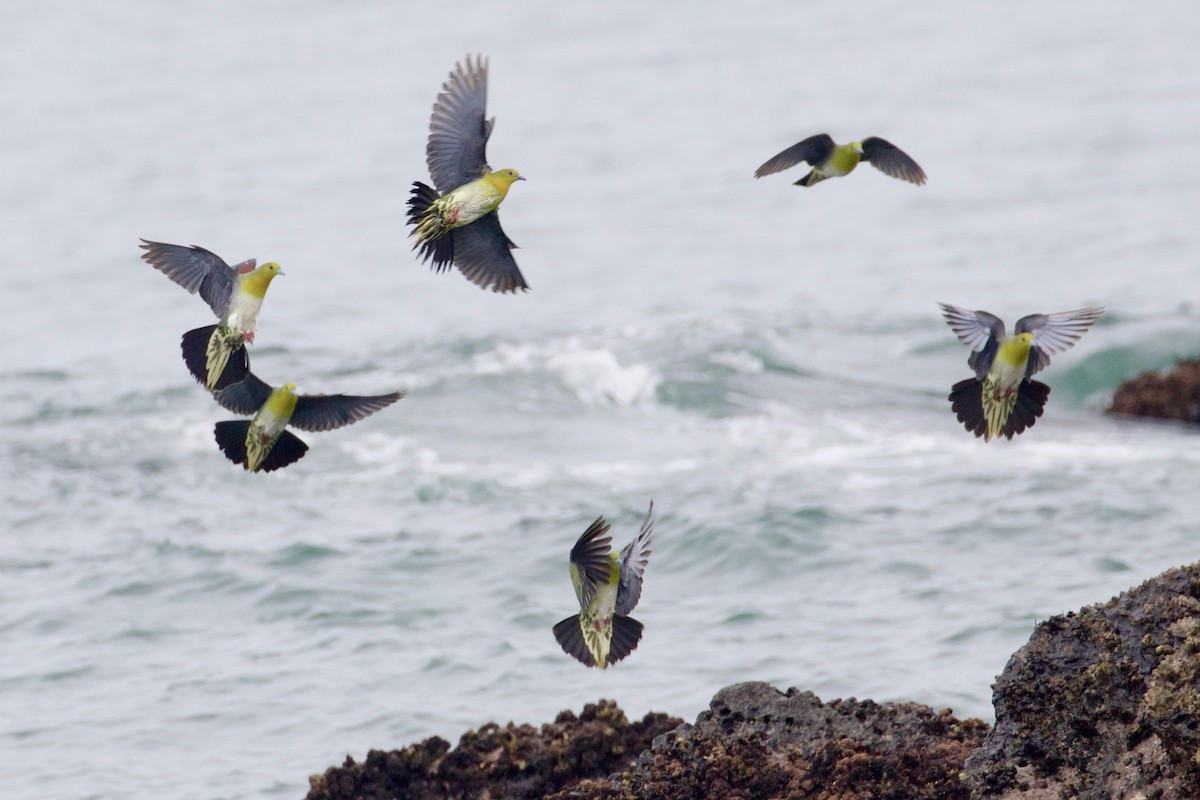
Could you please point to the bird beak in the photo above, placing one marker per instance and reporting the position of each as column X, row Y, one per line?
column 520, row 177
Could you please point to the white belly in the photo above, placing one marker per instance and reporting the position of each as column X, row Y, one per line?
column 473, row 201
column 243, row 312
column 1006, row 374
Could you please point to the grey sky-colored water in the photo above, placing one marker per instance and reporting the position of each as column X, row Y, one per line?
column 766, row 362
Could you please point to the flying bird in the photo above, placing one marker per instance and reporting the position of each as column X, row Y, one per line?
column 1003, row 399
column 608, row 588
column 262, row 443
column 216, row 354
column 455, row 221
column 831, row 160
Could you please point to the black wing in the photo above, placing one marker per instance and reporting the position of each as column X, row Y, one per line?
column 196, row 270
column 324, row 412
column 246, row 396
column 458, row 132
column 814, row 150
column 483, row 253
column 891, row 160
column 591, row 557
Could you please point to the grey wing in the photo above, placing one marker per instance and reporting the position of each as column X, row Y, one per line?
column 324, row 412
column 484, row 254
column 973, row 328
column 633, row 561
column 979, row 331
column 1055, row 333
column 246, row 396
column 891, row 160
column 195, row 269
column 458, row 132
column 814, row 150
column 591, row 557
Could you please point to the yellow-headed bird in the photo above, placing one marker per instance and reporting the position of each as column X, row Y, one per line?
column 831, row 160
column 1003, row 399
column 235, row 294
column 457, row 223
column 263, row 443
column 608, row 588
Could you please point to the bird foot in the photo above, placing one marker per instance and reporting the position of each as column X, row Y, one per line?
column 248, row 337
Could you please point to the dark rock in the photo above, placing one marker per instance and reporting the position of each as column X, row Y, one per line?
column 1104, row 703
column 758, row 742
column 1174, row 395
column 1099, row 704
column 511, row 761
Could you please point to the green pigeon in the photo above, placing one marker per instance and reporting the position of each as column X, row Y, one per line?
column 235, row 295
column 456, row 222
column 262, row 443
column 1003, row 399
column 831, row 160
column 608, row 588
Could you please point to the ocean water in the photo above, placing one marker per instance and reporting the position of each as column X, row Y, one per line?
column 767, row 363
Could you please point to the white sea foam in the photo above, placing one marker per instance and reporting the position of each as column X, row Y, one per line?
column 594, row 374
column 738, row 360
column 597, row 377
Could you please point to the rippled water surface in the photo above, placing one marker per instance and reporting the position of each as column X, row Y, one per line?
column 766, row 362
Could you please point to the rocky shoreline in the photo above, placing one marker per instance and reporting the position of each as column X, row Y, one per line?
column 1100, row 703
column 1172, row 395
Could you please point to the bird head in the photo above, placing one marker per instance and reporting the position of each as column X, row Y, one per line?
column 856, row 147
column 1015, row 349
column 256, row 282
column 503, row 179
column 282, row 401
column 506, row 176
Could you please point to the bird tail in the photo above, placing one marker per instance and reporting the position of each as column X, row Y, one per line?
column 432, row 240
column 966, row 400
column 231, row 438
column 996, row 408
column 288, row 449
column 811, row 178
column 1031, row 402
column 985, row 415
column 626, row 634
column 195, row 345
column 570, row 639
